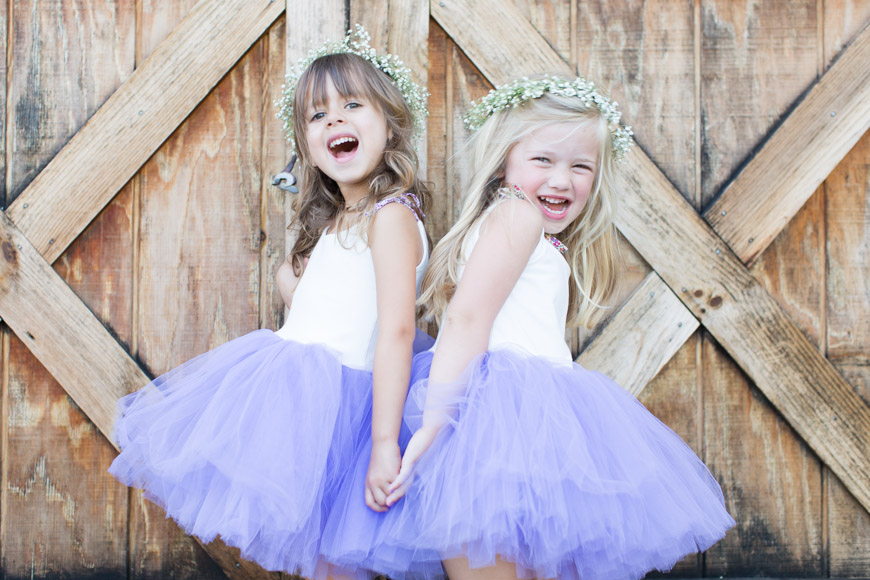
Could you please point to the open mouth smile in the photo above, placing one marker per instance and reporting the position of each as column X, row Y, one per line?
column 343, row 147
column 554, row 206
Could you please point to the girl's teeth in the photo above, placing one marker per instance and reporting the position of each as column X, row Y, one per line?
column 341, row 141
column 556, row 206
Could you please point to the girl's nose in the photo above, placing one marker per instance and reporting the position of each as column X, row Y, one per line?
column 559, row 178
column 334, row 117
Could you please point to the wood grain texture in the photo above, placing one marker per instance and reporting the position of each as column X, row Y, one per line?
column 65, row 514
column 848, row 523
column 66, row 60
column 553, row 21
column 505, row 60
column 4, row 25
column 409, row 39
column 438, row 131
column 748, row 323
column 32, row 298
column 766, row 474
column 653, row 327
column 274, row 157
column 798, row 156
column 745, row 87
column 848, row 333
column 642, row 53
column 780, row 481
column 164, row 89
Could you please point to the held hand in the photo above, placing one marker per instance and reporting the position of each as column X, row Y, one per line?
column 417, row 446
column 383, row 469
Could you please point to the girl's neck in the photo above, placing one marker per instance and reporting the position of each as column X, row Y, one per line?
column 353, row 196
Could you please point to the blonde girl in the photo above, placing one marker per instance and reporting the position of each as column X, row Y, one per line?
column 524, row 464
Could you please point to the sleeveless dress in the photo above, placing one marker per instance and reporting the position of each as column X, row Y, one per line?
column 543, row 463
column 251, row 440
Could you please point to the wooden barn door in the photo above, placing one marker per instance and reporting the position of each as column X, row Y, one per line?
column 139, row 228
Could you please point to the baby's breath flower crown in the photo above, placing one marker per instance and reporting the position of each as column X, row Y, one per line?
column 524, row 89
column 356, row 42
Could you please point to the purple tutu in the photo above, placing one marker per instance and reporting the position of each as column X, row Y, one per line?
column 554, row 468
column 250, row 441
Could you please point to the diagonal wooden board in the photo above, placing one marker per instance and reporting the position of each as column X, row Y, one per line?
column 721, row 293
column 136, row 120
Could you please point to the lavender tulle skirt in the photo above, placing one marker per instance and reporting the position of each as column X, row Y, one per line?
column 554, row 468
column 250, row 441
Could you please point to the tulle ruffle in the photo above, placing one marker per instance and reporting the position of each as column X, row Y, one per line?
column 250, row 441
column 554, row 468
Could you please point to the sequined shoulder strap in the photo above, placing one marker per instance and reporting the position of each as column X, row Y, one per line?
column 409, row 200
column 510, row 192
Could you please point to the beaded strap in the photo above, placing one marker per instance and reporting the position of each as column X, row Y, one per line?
column 511, row 192
column 409, row 200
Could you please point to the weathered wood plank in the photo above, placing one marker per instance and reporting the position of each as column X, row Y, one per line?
column 765, row 471
column 738, row 44
column 653, row 327
column 4, row 25
column 408, row 39
column 65, row 514
column 644, row 55
column 799, row 155
column 552, row 20
column 848, row 334
column 755, row 450
column 65, row 62
column 164, row 89
column 748, row 322
column 273, row 201
column 506, row 58
column 32, row 299
column 732, row 33
column 438, row 131
column 848, row 525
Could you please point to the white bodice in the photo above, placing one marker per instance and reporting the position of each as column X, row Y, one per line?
column 532, row 319
column 335, row 302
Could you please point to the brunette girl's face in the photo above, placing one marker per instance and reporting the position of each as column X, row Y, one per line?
column 556, row 167
column 346, row 136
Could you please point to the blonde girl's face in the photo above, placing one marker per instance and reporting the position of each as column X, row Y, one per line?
column 556, row 166
column 346, row 136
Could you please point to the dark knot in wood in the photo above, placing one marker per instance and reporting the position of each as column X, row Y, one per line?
column 9, row 253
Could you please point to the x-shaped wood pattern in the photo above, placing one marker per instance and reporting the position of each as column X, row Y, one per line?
column 719, row 292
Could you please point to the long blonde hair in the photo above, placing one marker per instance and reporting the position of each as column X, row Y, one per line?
column 319, row 202
column 591, row 238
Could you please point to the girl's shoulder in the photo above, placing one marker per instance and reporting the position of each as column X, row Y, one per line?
column 512, row 209
column 512, row 219
column 407, row 199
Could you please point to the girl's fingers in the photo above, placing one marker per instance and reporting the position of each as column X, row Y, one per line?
column 372, row 504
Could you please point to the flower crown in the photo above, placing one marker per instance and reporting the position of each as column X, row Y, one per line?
column 356, row 42
column 524, row 89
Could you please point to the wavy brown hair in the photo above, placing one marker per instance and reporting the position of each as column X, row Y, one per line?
column 319, row 203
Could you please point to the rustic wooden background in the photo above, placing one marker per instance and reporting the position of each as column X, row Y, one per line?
column 182, row 258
